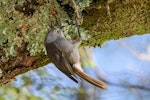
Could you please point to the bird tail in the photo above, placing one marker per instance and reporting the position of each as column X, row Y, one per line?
column 89, row 79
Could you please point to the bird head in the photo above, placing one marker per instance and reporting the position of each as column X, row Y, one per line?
column 54, row 33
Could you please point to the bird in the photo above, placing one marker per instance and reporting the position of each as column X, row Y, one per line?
column 64, row 54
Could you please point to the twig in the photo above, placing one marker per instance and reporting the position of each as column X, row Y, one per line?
column 76, row 9
column 79, row 20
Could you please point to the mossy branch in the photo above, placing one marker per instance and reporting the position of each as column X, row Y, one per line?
column 24, row 24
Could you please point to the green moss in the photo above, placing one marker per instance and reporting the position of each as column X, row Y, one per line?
column 43, row 61
column 126, row 19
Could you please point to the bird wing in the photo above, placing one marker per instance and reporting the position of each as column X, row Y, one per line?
column 71, row 57
column 57, row 56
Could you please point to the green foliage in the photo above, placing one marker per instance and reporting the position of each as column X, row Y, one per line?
column 14, row 93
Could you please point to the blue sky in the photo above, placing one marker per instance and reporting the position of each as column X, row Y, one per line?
column 118, row 62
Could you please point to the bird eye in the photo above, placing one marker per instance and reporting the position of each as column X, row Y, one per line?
column 58, row 31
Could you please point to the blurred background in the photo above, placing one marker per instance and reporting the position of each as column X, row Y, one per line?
column 124, row 65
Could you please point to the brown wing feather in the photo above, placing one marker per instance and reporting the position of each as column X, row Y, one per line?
column 56, row 55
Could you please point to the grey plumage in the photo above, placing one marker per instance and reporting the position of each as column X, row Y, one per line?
column 64, row 54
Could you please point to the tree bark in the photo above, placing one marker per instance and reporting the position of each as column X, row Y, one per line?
column 24, row 24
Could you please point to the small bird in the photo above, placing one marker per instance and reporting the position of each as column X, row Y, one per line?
column 64, row 54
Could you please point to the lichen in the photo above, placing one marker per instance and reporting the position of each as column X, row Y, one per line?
column 17, row 27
